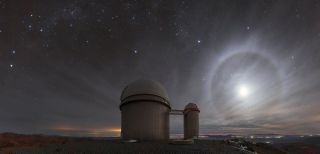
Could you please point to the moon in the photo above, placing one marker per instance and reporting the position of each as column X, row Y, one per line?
column 243, row 91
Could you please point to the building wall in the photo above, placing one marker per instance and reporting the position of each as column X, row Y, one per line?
column 145, row 120
column 191, row 125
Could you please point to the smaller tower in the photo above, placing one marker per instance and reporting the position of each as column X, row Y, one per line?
column 191, row 121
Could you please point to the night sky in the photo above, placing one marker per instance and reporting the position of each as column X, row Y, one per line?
column 251, row 66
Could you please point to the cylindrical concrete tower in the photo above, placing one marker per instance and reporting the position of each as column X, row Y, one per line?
column 191, row 121
column 145, row 111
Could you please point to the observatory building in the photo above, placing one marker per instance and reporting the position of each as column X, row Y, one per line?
column 145, row 111
column 191, row 121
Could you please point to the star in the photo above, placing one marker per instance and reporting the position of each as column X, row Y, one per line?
column 199, row 41
column 135, row 51
column 13, row 51
column 30, row 27
column 11, row 65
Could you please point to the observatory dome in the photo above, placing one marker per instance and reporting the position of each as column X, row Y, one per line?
column 144, row 90
column 144, row 111
column 191, row 121
column 191, row 107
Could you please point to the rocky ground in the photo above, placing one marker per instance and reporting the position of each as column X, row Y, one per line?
column 33, row 144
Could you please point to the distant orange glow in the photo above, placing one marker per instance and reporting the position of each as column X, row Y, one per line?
column 118, row 130
column 90, row 131
column 66, row 129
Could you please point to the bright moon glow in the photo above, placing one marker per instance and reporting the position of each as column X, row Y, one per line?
column 243, row 91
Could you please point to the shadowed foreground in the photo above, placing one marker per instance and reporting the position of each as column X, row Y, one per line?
column 96, row 146
column 10, row 143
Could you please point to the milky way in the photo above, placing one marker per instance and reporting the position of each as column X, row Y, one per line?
column 63, row 64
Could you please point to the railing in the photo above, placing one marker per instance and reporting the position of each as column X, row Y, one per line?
column 176, row 112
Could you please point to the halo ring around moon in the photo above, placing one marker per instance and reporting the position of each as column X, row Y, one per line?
column 268, row 72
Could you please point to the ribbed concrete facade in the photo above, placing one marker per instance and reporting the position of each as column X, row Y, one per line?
column 145, row 121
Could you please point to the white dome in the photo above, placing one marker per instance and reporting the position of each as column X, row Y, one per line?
column 145, row 87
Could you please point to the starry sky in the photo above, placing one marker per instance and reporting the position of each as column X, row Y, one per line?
column 252, row 66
